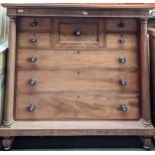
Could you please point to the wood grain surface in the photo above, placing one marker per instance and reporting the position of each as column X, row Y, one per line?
column 70, row 106
column 69, row 59
column 77, row 80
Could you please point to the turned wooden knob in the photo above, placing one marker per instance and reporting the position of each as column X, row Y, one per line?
column 32, row 107
column 122, row 60
column 123, row 107
column 77, row 32
column 123, row 82
column 33, row 81
column 33, row 59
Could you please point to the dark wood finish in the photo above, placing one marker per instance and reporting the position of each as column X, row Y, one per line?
column 78, row 71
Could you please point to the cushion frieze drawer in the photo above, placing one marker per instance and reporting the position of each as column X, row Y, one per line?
column 77, row 80
column 76, row 106
column 79, row 33
column 33, row 40
column 34, row 24
column 115, row 59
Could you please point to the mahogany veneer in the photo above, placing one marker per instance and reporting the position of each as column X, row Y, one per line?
column 77, row 70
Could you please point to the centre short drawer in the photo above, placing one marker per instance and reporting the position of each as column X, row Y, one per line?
column 76, row 106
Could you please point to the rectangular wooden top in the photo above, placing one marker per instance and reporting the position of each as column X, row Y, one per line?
column 139, row 6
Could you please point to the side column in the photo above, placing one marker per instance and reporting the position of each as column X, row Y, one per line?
column 144, row 75
column 10, row 75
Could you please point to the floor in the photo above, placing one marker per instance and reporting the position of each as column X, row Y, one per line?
column 78, row 143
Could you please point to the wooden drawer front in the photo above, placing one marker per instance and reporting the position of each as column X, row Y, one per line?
column 33, row 41
column 76, row 59
column 121, row 41
column 78, row 33
column 121, row 25
column 60, row 106
column 34, row 24
column 77, row 80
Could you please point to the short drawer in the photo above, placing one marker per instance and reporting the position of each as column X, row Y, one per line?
column 121, row 25
column 34, row 24
column 57, row 59
column 76, row 106
column 78, row 33
column 33, row 41
column 77, row 80
column 121, row 41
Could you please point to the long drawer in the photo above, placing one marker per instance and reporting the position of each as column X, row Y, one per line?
column 76, row 106
column 66, row 59
column 77, row 80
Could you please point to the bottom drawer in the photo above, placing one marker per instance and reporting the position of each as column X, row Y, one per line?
column 76, row 106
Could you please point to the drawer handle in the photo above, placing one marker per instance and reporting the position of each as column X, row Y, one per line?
column 123, row 107
column 32, row 107
column 34, row 23
column 33, row 81
column 121, row 24
column 122, row 60
column 122, row 39
column 34, row 40
column 33, row 59
column 123, row 82
column 77, row 32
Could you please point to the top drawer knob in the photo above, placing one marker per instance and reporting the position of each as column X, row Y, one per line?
column 77, row 32
column 121, row 24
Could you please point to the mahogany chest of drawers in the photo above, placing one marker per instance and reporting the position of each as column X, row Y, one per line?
column 75, row 70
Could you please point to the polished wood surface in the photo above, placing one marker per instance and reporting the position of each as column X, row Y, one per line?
column 114, row 25
column 77, row 106
column 87, row 5
column 80, row 70
column 79, row 59
column 77, row 80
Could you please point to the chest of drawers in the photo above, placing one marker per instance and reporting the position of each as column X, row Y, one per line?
column 75, row 70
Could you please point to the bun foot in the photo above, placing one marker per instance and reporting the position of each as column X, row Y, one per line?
column 146, row 142
column 7, row 143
